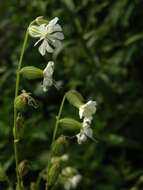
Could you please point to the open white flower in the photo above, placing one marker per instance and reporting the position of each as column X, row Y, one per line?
column 87, row 110
column 85, row 133
column 72, row 182
column 50, row 35
column 48, row 76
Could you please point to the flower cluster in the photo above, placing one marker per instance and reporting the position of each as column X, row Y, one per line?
column 86, row 112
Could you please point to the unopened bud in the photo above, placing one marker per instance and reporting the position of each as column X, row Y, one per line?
column 74, row 98
column 31, row 72
column 69, row 123
column 23, row 100
column 19, row 126
column 53, row 174
column 20, row 102
column 23, row 168
column 59, row 145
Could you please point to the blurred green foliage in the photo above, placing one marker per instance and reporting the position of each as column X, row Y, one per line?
column 102, row 58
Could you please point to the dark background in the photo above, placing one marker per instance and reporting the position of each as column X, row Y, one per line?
column 101, row 57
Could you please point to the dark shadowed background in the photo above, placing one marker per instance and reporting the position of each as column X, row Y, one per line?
column 102, row 58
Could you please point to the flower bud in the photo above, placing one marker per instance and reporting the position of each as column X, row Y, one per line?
column 20, row 103
column 39, row 20
column 23, row 100
column 74, row 98
column 31, row 72
column 3, row 176
column 59, row 145
column 19, row 126
column 23, row 168
column 53, row 174
column 69, row 123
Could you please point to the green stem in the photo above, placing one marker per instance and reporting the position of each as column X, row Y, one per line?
column 58, row 117
column 55, row 131
column 19, row 180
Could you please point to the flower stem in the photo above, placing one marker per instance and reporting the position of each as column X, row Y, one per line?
column 55, row 132
column 19, row 179
column 58, row 117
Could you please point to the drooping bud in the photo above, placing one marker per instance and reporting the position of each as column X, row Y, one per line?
column 19, row 126
column 69, row 123
column 59, row 145
column 74, row 98
column 20, row 102
column 53, row 174
column 40, row 20
column 23, row 100
column 3, row 176
column 31, row 72
column 23, row 167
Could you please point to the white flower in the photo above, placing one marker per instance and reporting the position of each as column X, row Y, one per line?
column 48, row 76
column 85, row 133
column 50, row 34
column 87, row 110
column 72, row 182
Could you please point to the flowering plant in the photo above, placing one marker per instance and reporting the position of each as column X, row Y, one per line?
column 50, row 35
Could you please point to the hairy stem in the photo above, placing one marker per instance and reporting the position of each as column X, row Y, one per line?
column 19, row 179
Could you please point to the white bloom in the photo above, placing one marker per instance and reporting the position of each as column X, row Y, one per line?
column 50, row 35
column 81, row 138
column 72, row 182
column 85, row 133
column 48, row 76
column 87, row 110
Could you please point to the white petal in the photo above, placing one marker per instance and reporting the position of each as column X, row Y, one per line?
column 58, row 28
column 48, row 71
column 81, row 138
column 53, row 21
column 56, row 43
column 87, row 120
column 88, row 132
column 47, row 82
column 45, row 47
column 42, row 48
column 38, row 41
column 57, row 35
column 81, row 111
column 49, row 48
